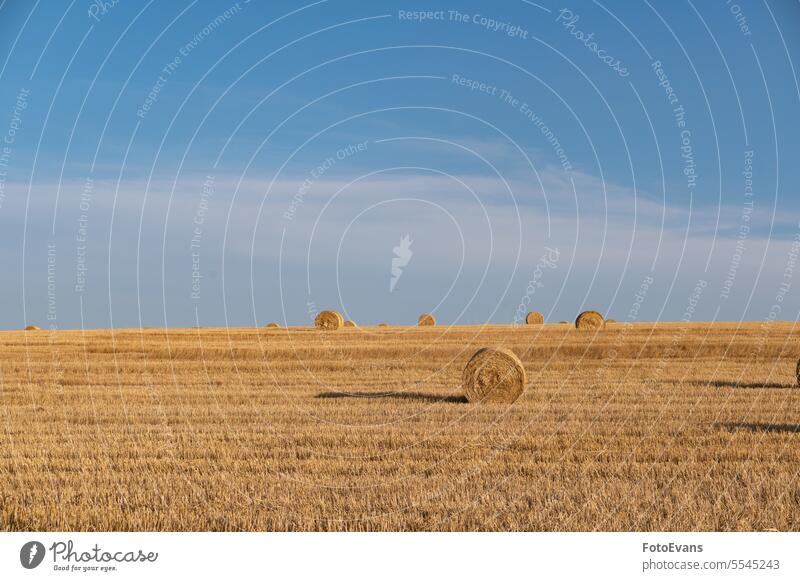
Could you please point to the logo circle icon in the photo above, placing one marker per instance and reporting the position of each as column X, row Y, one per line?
column 31, row 554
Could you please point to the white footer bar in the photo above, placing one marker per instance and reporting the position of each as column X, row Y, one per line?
column 402, row 556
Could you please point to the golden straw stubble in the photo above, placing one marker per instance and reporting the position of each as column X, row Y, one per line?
column 590, row 320
column 426, row 320
column 534, row 318
column 329, row 321
column 494, row 375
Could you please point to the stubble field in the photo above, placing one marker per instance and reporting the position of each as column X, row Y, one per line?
column 635, row 427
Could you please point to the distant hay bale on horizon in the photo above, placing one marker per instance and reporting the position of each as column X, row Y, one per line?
column 273, row 325
column 426, row 320
column 590, row 320
column 494, row 375
column 564, row 323
column 350, row 324
column 33, row 328
column 383, row 324
column 329, row 321
column 610, row 321
column 534, row 318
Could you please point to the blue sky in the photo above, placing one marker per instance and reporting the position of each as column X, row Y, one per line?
column 169, row 163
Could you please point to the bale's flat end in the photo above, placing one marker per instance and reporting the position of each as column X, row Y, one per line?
column 329, row 321
column 494, row 375
column 590, row 320
column 534, row 318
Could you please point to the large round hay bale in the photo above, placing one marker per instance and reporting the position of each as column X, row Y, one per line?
column 33, row 328
column 350, row 324
column 534, row 318
column 494, row 375
column 426, row 320
column 590, row 320
column 329, row 321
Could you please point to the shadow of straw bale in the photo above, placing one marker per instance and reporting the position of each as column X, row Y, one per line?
column 408, row 395
column 760, row 427
column 743, row 384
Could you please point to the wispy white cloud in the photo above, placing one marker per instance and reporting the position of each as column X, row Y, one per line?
column 471, row 236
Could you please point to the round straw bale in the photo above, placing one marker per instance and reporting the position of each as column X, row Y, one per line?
column 426, row 320
column 383, row 324
column 33, row 328
column 495, row 375
column 590, row 320
column 534, row 318
column 329, row 321
column 273, row 325
column 350, row 324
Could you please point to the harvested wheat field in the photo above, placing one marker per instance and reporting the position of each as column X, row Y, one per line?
column 634, row 427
